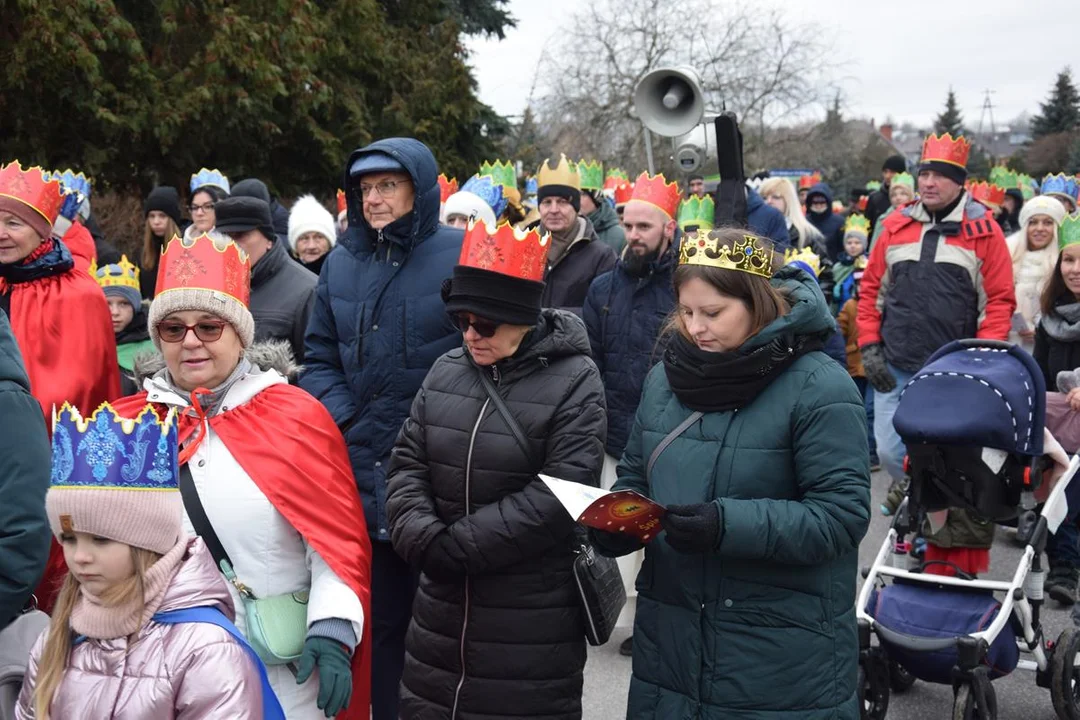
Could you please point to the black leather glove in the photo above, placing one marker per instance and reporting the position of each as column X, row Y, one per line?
column 612, row 544
column 877, row 369
column 693, row 529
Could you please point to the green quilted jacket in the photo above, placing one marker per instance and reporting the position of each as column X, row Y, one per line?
column 763, row 627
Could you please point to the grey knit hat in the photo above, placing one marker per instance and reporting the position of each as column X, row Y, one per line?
column 230, row 307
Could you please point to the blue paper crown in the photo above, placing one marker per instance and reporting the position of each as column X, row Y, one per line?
column 1060, row 184
column 486, row 189
column 75, row 187
column 107, row 451
column 209, row 177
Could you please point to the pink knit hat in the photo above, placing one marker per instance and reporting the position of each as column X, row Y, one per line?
column 115, row 478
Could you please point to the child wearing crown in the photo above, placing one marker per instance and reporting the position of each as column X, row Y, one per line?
column 853, row 258
column 754, row 441
column 142, row 626
column 120, row 283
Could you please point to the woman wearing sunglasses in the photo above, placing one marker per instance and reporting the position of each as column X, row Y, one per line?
column 271, row 474
column 493, row 546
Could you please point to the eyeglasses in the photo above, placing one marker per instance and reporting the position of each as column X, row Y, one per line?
column 174, row 332
column 206, row 207
column 386, row 188
column 484, row 328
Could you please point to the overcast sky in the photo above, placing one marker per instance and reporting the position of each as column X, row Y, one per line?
column 898, row 62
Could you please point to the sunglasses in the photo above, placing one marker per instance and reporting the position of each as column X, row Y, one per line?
column 174, row 332
column 484, row 328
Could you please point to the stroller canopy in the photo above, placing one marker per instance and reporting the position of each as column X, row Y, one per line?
column 975, row 393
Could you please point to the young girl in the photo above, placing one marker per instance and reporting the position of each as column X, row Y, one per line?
column 117, row 646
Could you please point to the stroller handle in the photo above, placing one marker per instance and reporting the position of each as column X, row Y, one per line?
column 913, row 643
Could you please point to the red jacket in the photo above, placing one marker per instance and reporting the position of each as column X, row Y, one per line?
column 928, row 284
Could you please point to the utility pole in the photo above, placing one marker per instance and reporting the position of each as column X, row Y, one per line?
column 987, row 110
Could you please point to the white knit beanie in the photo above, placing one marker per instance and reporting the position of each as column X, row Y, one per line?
column 308, row 215
column 1042, row 205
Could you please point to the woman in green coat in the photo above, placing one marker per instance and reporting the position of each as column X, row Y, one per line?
column 745, row 605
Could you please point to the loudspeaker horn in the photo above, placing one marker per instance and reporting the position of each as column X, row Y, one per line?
column 669, row 101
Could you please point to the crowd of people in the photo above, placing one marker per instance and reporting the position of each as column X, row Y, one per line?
column 285, row 463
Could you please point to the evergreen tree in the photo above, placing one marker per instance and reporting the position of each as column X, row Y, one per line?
column 949, row 121
column 1061, row 112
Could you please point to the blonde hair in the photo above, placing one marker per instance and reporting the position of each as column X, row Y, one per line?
column 792, row 209
column 1018, row 246
column 54, row 656
column 150, row 251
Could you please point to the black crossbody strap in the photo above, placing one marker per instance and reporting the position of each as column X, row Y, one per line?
column 668, row 439
column 197, row 514
column 508, row 417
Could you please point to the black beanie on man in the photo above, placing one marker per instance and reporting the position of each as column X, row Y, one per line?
column 954, row 172
column 244, row 213
column 573, row 195
column 896, row 163
column 164, row 199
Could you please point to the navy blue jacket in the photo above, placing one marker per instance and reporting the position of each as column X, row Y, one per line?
column 379, row 322
column 828, row 223
column 624, row 316
column 766, row 220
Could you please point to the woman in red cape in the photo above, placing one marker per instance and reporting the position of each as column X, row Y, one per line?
column 58, row 314
column 271, row 471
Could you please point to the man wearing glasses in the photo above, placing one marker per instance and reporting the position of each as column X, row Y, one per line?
column 378, row 324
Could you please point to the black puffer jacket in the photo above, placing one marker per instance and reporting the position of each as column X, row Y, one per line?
column 494, row 545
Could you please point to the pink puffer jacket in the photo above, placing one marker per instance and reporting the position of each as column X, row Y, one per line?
column 188, row 671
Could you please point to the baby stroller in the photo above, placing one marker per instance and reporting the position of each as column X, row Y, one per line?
column 972, row 420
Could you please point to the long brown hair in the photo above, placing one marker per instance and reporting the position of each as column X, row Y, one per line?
column 764, row 302
column 150, row 250
column 54, row 656
column 1055, row 290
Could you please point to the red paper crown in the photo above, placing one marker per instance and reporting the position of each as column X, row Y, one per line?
column 808, row 181
column 986, row 193
column 200, row 265
column 659, row 192
column 342, row 203
column 624, row 193
column 33, row 188
column 946, row 149
column 447, row 187
column 507, row 251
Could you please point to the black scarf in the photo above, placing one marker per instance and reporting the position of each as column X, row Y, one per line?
column 718, row 382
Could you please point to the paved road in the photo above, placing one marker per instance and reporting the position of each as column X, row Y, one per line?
column 607, row 675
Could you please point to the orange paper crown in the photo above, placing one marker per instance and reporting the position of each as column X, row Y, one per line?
column 808, row 181
column 447, row 187
column 987, row 194
column 946, row 149
column 507, row 251
column 624, row 192
column 201, row 265
column 342, row 203
column 32, row 187
column 659, row 192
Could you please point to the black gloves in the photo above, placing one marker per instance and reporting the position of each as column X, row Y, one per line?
column 440, row 560
column 615, row 545
column 693, row 529
column 877, row 370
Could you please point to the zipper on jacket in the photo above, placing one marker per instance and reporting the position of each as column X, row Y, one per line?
column 465, row 618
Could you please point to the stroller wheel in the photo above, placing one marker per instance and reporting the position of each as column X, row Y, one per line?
column 965, row 707
column 900, row 680
column 873, row 693
column 1065, row 675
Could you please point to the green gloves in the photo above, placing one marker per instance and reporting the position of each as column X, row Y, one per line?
column 335, row 673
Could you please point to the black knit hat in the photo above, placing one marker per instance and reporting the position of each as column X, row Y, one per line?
column 241, row 214
column 954, row 172
column 563, row 191
column 493, row 296
column 896, row 163
column 164, row 199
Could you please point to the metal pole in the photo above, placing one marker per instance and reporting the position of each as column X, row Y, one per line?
column 648, row 149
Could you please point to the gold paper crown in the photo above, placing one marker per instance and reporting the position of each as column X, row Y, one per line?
column 857, row 223
column 128, row 277
column 565, row 173
column 806, row 257
column 748, row 254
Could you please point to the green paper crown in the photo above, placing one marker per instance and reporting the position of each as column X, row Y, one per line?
column 1027, row 185
column 591, row 174
column 616, row 173
column 873, row 186
column 1069, row 232
column 1004, row 177
column 504, row 174
column 697, row 211
column 904, row 179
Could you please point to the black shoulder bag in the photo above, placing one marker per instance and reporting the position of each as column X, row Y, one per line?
column 599, row 583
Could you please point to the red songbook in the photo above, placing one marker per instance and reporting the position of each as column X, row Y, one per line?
column 622, row 511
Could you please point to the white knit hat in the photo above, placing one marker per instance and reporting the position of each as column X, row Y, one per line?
column 470, row 205
column 1042, row 205
column 308, row 215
